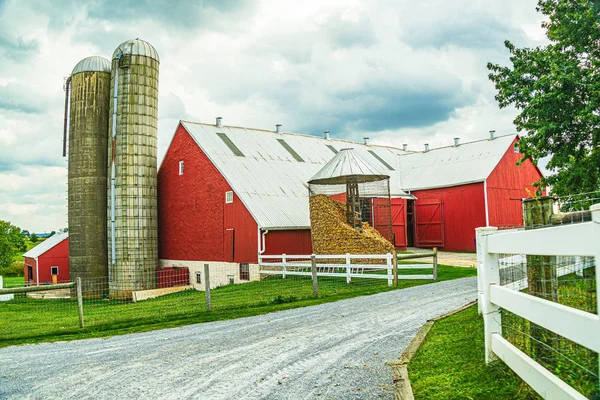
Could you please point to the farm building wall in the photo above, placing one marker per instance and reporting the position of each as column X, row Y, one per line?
column 194, row 221
column 220, row 272
column 296, row 242
column 57, row 256
column 507, row 185
column 463, row 210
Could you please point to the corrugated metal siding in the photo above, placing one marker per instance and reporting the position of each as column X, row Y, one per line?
column 464, row 210
column 296, row 242
column 451, row 166
column 507, row 185
column 58, row 256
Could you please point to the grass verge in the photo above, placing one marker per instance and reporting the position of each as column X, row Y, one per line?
column 33, row 320
column 450, row 364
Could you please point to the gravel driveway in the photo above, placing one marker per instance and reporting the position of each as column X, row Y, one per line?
column 329, row 351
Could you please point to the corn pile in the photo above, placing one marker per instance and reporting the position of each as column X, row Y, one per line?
column 332, row 235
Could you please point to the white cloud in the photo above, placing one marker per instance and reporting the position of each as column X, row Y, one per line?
column 398, row 70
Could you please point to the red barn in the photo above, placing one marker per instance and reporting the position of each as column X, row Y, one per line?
column 227, row 194
column 463, row 187
column 48, row 262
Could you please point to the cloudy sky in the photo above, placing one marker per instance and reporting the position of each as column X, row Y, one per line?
column 398, row 71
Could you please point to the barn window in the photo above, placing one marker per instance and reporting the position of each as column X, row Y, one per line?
column 231, row 279
column 516, row 147
column 290, row 150
column 181, row 167
column 228, row 197
column 244, row 271
column 234, row 149
column 54, row 270
column 198, row 278
column 381, row 160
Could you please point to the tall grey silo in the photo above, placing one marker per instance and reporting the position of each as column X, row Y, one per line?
column 132, row 188
column 89, row 87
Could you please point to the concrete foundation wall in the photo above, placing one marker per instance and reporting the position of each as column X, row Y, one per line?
column 220, row 272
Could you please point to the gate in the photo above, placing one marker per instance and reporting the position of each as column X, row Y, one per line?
column 429, row 223
column 399, row 223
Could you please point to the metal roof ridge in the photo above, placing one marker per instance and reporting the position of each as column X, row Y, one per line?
column 461, row 145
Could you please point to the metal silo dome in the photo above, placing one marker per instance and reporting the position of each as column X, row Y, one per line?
column 92, row 64
column 136, row 47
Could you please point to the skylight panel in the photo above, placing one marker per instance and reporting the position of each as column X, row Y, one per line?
column 290, row 150
column 234, row 149
column 332, row 148
column 381, row 160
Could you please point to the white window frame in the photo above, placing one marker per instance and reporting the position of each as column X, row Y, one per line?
column 52, row 267
column 229, row 197
column 198, row 278
column 516, row 148
column 180, row 167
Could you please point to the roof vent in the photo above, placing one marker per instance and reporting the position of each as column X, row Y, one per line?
column 426, row 146
column 405, row 147
column 219, row 124
column 456, row 141
column 326, row 135
column 366, row 139
column 278, row 128
column 492, row 135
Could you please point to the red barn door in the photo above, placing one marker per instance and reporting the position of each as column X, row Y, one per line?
column 429, row 223
column 399, row 223
column 228, row 245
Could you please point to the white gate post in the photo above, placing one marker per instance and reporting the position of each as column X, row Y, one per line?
column 283, row 265
column 389, row 269
column 478, row 247
column 595, row 209
column 488, row 274
column 348, row 279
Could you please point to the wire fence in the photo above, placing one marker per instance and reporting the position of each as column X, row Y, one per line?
column 176, row 296
column 567, row 280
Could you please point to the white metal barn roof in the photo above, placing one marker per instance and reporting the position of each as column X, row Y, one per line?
column 46, row 245
column 269, row 171
column 454, row 165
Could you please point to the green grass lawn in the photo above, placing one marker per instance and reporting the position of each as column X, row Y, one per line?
column 9, row 281
column 33, row 320
column 450, row 364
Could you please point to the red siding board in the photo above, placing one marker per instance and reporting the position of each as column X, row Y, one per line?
column 56, row 256
column 192, row 215
column 296, row 242
column 507, row 185
column 464, row 210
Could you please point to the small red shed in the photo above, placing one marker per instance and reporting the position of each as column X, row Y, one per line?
column 48, row 262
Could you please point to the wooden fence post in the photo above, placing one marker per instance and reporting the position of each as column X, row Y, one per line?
column 207, row 287
column 313, row 270
column 390, row 268
column 490, row 275
column 395, row 261
column 80, row 302
column 348, row 271
column 435, row 263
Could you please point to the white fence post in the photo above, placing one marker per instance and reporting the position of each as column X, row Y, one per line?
column 488, row 274
column 595, row 209
column 348, row 271
column 389, row 269
column 283, row 265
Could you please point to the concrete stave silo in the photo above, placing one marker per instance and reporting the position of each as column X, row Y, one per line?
column 88, row 119
column 132, row 188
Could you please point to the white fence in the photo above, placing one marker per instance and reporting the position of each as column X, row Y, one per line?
column 301, row 265
column 578, row 326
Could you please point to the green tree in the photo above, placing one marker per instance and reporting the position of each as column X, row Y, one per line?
column 10, row 242
column 33, row 238
column 556, row 88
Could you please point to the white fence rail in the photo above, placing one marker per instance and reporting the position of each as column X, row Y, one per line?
column 578, row 326
column 300, row 265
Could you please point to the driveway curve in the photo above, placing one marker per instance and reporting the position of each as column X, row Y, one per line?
column 330, row 351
